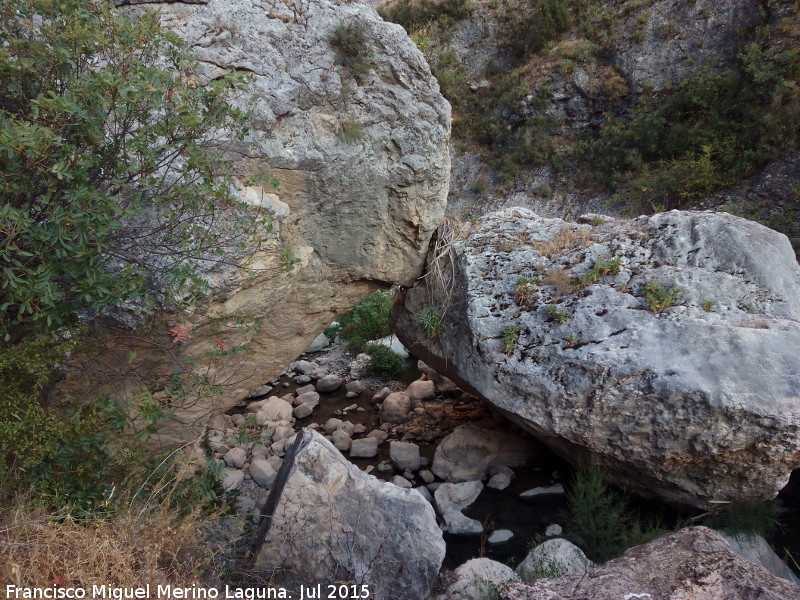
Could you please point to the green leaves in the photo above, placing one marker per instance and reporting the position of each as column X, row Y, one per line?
column 108, row 159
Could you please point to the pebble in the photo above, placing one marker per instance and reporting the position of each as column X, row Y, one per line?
column 500, row 536
column 553, row 530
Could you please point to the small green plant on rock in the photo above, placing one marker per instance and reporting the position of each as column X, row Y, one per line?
column 510, row 339
column 431, row 321
column 525, row 292
column 369, row 320
column 350, row 42
column 708, row 305
column 657, row 297
column 351, row 131
column 557, row 314
column 288, row 259
column 383, row 362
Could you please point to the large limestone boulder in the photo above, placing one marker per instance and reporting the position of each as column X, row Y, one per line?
column 693, row 403
column 330, row 522
column 691, row 563
column 478, row 579
column 354, row 211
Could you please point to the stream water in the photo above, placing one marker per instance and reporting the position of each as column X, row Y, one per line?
column 504, row 509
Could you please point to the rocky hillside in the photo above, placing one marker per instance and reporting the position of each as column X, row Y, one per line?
column 566, row 106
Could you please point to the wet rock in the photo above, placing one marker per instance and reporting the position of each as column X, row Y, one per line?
column 471, row 450
column 426, row 476
column 305, row 389
column 381, row 395
column 261, row 391
column 499, row 536
column 332, row 522
column 451, row 499
column 691, row 563
column 404, row 455
column 421, row 391
column 538, row 492
column 554, row 558
column 328, row 384
column 553, row 530
column 356, row 387
column 310, row 398
column 396, row 408
column 303, row 411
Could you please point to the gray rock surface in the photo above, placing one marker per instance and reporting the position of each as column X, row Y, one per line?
column 471, row 450
column 329, row 383
column 356, row 214
column 332, row 522
column 697, row 403
column 262, row 472
column 554, row 558
column 694, row 563
column 396, row 408
column 756, row 549
column 404, row 455
column 451, row 499
column 364, row 448
column 478, row 579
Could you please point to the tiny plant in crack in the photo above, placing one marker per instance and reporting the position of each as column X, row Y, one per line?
column 708, row 305
column 657, row 297
column 556, row 313
column 510, row 339
column 288, row 259
column 525, row 292
column 431, row 321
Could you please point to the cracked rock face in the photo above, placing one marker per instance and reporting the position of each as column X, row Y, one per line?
column 690, row 563
column 331, row 522
column 363, row 167
column 696, row 403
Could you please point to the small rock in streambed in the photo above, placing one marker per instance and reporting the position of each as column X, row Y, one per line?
column 500, row 536
column 539, row 492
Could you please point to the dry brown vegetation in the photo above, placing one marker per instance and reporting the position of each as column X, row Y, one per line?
column 561, row 281
column 564, row 240
column 127, row 551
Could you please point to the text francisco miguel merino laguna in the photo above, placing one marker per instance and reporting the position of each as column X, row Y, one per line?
column 169, row 592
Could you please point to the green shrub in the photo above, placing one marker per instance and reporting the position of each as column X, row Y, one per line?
column 383, row 361
column 76, row 189
column 525, row 291
column 431, row 321
column 351, row 44
column 351, row 131
column 601, row 521
column 414, row 15
column 369, row 320
column 529, row 30
column 702, row 134
column 657, row 297
column 748, row 518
